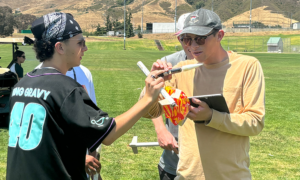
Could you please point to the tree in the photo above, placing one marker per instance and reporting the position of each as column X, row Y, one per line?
column 191, row 2
column 100, row 30
column 129, row 27
column 7, row 21
column 24, row 21
column 140, row 35
column 117, row 25
column 108, row 24
column 200, row 5
column 258, row 25
column 121, row 2
column 139, row 27
column 276, row 26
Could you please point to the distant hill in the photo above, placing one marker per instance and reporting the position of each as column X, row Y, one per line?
column 227, row 9
column 91, row 12
column 262, row 15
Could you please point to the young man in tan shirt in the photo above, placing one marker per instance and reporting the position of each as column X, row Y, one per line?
column 215, row 145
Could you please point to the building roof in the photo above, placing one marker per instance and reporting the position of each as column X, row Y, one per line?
column 273, row 40
column 11, row 40
column 15, row 40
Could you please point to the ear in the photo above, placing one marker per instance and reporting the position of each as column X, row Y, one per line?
column 60, row 48
column 220, row 35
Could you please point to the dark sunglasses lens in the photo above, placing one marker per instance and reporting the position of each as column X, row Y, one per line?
column 187, row 41
column 82, row 43
column 23, row 57
column 200, row 40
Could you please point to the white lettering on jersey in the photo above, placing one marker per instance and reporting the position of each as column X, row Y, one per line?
column 46, row 94
column 40, row 92
column 18, row 91
column 33, row 94
column 29, row 92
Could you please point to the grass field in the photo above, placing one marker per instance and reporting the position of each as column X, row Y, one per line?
column 170, row 43
column 118, row 81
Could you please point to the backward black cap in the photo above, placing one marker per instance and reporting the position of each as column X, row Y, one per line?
column 201, row 22
column 55, row 27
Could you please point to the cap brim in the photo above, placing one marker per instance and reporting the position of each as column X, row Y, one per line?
column 178, row 32
column 197, row 30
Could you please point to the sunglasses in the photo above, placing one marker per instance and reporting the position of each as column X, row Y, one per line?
column 82, row 43
column 23, row 57
column 200, row 40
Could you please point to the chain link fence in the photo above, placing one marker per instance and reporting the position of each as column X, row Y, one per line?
column 295, row 49
column 241, row 44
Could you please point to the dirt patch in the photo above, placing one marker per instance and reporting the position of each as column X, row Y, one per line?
column 160, row 36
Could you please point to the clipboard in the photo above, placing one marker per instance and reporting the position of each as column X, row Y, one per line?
column 214, row 101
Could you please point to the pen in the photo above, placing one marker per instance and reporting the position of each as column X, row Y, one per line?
column 162, row 90
column 166, row 63
column 181, row 69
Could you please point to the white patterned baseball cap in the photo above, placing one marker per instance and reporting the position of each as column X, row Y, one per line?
column 180, row 23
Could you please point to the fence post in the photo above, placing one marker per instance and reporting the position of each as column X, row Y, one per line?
column 227, row 44
column 262, row 47
column 290, row 49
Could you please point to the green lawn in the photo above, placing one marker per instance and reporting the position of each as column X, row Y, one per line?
column 118, row 81
column 235, row 43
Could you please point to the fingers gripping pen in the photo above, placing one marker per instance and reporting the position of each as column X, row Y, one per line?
column 181, row 69
column 162, row 90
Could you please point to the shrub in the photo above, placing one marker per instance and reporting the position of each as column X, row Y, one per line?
column 140, row 35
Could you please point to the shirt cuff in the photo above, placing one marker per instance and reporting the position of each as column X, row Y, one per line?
column 216, row 119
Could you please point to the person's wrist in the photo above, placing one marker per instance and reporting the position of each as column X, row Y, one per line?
column 148, row 100
column 160, row 129
column 210, row 117
column 210, row 114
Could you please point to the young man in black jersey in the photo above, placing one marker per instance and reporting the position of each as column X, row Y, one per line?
column 52, row 117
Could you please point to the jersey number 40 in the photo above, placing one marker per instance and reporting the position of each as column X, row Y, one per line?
column 26, row 125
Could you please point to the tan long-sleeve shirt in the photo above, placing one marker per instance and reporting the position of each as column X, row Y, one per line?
column 219, row 149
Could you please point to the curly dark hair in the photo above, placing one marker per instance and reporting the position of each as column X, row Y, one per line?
column 44, row 49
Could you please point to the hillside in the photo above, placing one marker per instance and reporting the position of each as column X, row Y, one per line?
column 227, row 9
column 91, row 12
column 262, row 15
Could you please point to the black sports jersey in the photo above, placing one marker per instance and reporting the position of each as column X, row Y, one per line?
column 53, row 121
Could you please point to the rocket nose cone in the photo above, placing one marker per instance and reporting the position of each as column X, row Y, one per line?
column 191, row 66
